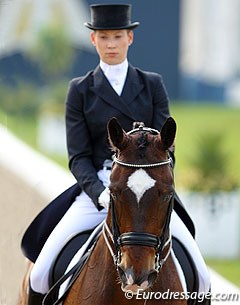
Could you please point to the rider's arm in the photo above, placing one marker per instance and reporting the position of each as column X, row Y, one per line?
column 79, row 145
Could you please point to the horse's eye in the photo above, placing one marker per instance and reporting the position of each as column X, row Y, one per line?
column 166, row 197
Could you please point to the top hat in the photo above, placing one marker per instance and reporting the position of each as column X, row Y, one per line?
column 111, row 17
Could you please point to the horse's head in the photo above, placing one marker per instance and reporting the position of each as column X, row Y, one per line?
column 142, row 188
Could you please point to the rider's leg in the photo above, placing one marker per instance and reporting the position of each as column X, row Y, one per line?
column 179, row 230
column 81, row 216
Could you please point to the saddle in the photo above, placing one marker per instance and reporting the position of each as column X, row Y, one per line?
column 62, row 261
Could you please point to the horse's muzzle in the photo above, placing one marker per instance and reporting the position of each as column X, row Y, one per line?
column 134, row 282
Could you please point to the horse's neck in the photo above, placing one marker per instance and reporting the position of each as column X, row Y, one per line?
column 101, row 272
column 101, row 263
column 102, row 257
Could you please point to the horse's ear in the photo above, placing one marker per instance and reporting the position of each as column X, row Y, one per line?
column 168, row 133
column 116, row 134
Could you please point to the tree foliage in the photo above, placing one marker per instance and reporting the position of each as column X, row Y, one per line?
column 210, row 164
column 52, row 51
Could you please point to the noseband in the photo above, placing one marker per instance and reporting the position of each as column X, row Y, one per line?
column 159, row 243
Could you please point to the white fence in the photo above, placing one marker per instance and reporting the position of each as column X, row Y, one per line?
column 217, row 221
column 32, row 167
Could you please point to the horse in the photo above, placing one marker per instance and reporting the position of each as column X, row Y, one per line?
column 131, row 262
column 133, row 253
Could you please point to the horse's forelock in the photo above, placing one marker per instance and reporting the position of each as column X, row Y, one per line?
column 142, row 141
column 142, row 144
column 137, row 144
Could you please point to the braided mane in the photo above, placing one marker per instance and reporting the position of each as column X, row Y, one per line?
column 142, row 143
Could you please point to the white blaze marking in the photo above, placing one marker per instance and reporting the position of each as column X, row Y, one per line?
column 139, row 182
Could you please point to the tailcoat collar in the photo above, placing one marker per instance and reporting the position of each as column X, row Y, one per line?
column 102, row 88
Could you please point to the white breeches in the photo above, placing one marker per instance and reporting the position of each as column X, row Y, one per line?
column 83, row 215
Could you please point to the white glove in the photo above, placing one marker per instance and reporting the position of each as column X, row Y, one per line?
column 104, row 198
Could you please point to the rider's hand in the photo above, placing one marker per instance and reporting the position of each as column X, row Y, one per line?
column 104, row 198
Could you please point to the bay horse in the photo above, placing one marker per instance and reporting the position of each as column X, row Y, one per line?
column 133, row 253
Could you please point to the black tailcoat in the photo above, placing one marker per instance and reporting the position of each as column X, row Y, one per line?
column 91, row 102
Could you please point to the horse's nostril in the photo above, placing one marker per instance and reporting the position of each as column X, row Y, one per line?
column 152, row 277
column 143, row 280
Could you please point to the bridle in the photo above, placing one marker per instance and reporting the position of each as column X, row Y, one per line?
column 159, row 243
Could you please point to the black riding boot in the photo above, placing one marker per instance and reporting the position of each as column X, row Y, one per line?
column 34, row 298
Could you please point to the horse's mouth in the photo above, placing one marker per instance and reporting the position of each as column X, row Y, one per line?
column 134, row 288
